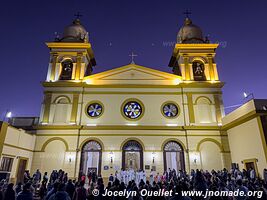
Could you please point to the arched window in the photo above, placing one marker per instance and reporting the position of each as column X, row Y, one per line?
column 173, row 156
column 132, row 155
column 91, row 158
column 66, row 70
column 61, row 110
column 199, row 71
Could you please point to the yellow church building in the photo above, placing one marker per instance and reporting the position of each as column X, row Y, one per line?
column 134, row 117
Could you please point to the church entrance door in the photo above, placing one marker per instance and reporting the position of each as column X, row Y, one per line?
column 132, row 155
column 91, row 156
column 21, row 169
column 173, row 156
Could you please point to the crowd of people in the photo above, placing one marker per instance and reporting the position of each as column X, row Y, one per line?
column 58, row 186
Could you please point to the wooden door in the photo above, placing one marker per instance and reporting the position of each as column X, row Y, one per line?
column 21, row 170
column 250, row 165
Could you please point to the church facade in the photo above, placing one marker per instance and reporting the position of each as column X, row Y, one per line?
column 131, row 117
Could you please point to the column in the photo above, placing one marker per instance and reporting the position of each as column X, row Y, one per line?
column 217, row 100
column 3, row 132
column 74, row 110
column 211, row 70
column 190, row 108
column 186, row 66
column 78, row 66
column 53, row 68
column 47, row 103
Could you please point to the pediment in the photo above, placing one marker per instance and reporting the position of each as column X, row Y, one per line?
column 132, row 74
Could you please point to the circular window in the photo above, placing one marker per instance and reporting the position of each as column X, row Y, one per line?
column 132, row 109
column 170, row 109
column 94, row 109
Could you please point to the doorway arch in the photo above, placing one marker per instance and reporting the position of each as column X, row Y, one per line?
column 91, row 158
column 132, row 155
column 173, row 155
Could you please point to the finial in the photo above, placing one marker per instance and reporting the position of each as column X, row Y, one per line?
column 133, row 55
column 57, row 37
column 78, row 15
column 187, row 20
column 207, row 40
column 187, row 13
column 77, row 19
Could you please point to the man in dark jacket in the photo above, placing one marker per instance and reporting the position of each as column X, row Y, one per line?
column 52, row 191
column 9, row 193
column 61, row 194
column 25, row 194
column 70, row 188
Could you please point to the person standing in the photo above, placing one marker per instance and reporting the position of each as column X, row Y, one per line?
column 70, row 188
column 111, row 178
column 18, row 188
column 26, row 177
column 117, row 176
column 65, row 178
column 43, row 190
column 61, row 194
column 144, row 175
column 9, row 193
column 151, row 177
column 37, row 176
column 26, row 193
column 45, row 177
column 265, row 175
column 252, row 174
column 80, row 192
column 89, row 176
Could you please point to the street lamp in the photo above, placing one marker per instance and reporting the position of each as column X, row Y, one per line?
column 8, row 114
column 246, row 95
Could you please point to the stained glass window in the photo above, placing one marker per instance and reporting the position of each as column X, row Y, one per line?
column 172, row 146
column 132, row 146
column 92, row 145
column 94, row 109
column 132, row 110
column 170, row 110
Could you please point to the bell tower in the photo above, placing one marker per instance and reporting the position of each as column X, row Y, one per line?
column 71, row 59
column 71, row 56
column 193, row 56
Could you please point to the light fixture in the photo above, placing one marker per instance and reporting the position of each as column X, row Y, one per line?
column 131, row 124
column 246, row 95
column 89, row 81
column 195, row 157
column 176, row 81
column 70, row 157
column 8, row 114
column 153, row 157
column 171, row 124
column 111, row 155
column 91, row 124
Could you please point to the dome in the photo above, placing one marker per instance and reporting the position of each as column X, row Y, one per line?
column 189, row 33
column 75, row 32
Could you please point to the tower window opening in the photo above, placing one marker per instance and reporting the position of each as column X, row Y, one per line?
column 66, row 70
column 199, row 71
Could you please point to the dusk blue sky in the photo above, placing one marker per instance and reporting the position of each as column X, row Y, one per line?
column 118, row 27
